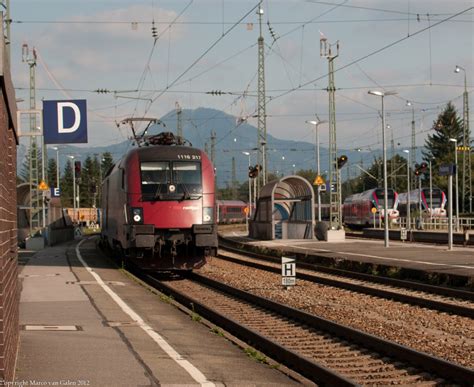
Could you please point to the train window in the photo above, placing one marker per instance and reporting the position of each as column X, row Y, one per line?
column 155, row 177
column 187, row 177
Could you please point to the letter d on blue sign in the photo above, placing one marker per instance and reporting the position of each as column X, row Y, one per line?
column 65, row 122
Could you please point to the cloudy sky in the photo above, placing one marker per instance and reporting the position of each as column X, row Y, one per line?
column 206, row 45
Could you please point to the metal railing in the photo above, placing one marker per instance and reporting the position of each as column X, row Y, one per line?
column 433, row 224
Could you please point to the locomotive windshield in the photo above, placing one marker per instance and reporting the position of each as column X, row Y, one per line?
column 164, row 180
column 381, row 197
column 187, row 177
column 437, row 197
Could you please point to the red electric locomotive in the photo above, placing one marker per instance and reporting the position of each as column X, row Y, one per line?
column 158, row 205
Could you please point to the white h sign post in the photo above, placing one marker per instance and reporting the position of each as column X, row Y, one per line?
column 288, row 272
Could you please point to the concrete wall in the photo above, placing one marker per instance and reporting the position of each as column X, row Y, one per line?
column 9, row 287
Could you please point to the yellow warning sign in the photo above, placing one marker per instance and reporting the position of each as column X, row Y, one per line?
column 42, row 186
column 318, row 181
column 373, row 210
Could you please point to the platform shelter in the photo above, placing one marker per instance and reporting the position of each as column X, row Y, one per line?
column 284, row 210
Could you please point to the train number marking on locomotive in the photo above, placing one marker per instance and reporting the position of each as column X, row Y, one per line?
column 197, row 375
column 188, row 157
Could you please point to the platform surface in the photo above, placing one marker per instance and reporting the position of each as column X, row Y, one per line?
column 433, row 258
column 76, row 333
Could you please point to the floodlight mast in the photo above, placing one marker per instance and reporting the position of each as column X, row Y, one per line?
column 335, row 214
column 466, row 161
column 261, row 105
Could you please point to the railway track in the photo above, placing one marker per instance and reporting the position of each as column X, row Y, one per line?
column 321, row 350
column 443, row 299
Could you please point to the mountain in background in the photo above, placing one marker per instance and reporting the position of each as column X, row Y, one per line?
column 284, row 156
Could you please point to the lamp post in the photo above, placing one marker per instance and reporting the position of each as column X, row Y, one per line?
column 413, row 135
column 73, row 187
column 250, row 195
column 431, row 189
column 408, row 190
column 316, row 123
column 57, row 165
column 455, row 141
column 385, row 188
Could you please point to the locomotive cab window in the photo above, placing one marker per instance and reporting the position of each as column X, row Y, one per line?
column 155, row 178
column 187, row 177
column 177, row 180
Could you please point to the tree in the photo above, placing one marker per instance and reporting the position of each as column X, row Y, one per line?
column 66, row 186
column 52, row 173
column 308, row 174
column 106, row 163
column 25, row 168
column 438, row 147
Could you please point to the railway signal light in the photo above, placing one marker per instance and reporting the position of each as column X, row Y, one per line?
column 253, row 171
column 420, row 168
column 417, row 169
column 341, row 161
column 77, row 169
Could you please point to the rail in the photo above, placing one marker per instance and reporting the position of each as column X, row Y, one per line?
column 392, row 293
column 399, row 283
column 261, row 331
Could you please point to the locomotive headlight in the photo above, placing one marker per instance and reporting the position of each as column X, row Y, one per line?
column 207, row 214
column 137, row 215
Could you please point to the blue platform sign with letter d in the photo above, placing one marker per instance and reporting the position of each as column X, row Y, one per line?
column 65, row 122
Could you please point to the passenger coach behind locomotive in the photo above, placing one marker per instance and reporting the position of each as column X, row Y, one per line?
column 158, row 204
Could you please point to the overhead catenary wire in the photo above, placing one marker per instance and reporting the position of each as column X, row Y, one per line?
column 253, row 92
column 150, row 56
column 203, row 91
column 377, row 51
column 201, row 56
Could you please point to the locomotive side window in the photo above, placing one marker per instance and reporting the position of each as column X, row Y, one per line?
column 187, row 177
column 155, row 177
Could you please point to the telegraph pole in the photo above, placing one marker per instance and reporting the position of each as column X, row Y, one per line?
column 262, row 125
column 234, row 180
column 413, row 142
column 213, row 147
column 179, row 122
column 335, row 216
column 392, row 155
